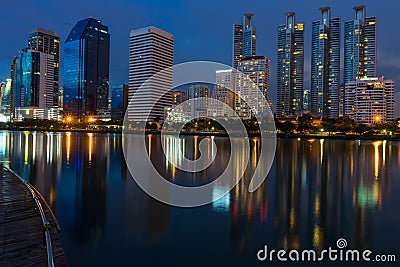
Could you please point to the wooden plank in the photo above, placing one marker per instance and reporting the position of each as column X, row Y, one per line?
column 21, row 229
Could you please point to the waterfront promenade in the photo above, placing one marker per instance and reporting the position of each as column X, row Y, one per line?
column 27, row 225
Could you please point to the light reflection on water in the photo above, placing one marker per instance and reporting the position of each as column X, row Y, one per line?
column 317, row 191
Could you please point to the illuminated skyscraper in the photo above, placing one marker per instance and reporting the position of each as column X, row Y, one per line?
column 325, row 66
column 12, row 76
column 244, row 40
column 290, row 72
column 5, row 97
column 86, row 68
column 151, row 51
column 33, row 81
column 360, row 46
column 48, row 42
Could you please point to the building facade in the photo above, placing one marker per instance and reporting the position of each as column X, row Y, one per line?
column 251, row 89
column 290, row 68
column 5, row 93
column 12, row 76
column 86, row 69
column 178, row 97
column 244, row 40
column 370, row 100
column 151, row 51
column 223, row 92
column 48, row 42
column 119, row 101
column 325, row 66
column 33, row 81
column 360, row 46
column 198, row 108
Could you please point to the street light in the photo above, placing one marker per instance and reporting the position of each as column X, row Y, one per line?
column 91, row 119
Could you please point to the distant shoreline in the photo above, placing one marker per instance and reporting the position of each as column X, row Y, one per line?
column 279, row 135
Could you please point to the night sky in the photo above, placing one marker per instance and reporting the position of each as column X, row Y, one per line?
column 202, row 29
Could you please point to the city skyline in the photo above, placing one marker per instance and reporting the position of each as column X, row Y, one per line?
column 135, row 127
column 266, row 38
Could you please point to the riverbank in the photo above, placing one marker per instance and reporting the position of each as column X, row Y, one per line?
column 223, row 134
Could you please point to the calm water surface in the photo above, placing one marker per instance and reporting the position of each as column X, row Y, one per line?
column 317, row 191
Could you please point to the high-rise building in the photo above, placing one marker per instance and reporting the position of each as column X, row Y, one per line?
column 34, row 81
column 325, row 66
column 86, row 69
column 5, row 93
column 223, row 92
column 237, row 48
column 12, row 76
column 341, row 100
column 252, row 81
column 48, row 42
column 306, row 101
column 244, row 40
column 119, row 101
column 290, row 72
column 370, row 100
column 198, row 108
column 151, row 51
column 249, row 37
column 360, row 46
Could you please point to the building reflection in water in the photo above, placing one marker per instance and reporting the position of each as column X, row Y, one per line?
column 316, row 192
column 146, row 218
column 345, row 185
column 43, row 158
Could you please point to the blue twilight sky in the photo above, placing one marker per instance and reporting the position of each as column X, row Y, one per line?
column 202, row 28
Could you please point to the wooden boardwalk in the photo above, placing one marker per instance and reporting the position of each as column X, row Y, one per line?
column 22, row 235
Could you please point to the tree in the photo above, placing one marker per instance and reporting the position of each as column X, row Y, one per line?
column 329, row 125
column 392, row 127
column 345, row 124
column 361, row 128
column 305, row 123
column 288, row 127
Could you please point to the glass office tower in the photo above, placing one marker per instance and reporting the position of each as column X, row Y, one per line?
column 27, row 79
column 33, row 80
column 119, row 101
column 290, row 72
column 325, row 66
column 86, row 68
column 360, row 46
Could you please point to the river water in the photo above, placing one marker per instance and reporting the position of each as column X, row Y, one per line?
column 316, row 192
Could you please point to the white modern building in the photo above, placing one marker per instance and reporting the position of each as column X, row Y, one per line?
column 223, row 92
column 370, row 100
column 151, row 50
column 251, row 90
